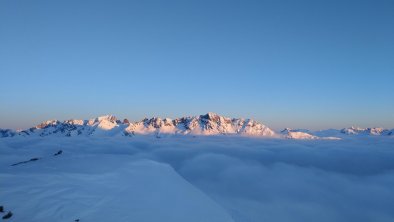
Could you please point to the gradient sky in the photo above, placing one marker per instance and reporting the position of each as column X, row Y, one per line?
column 301, row 64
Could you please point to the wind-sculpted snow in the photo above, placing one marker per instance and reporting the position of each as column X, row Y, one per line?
column 117, row 189
column 221, row 178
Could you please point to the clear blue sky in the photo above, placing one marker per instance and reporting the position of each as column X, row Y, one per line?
column 302, row 64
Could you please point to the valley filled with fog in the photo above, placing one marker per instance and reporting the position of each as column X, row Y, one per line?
column 197, row 178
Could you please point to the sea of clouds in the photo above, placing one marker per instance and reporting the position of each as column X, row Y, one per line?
column 255, row 179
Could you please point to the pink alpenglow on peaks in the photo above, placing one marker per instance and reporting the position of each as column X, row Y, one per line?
column 210, row 124
column 109, row 125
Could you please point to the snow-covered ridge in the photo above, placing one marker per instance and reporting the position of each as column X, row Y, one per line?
column 109, row 125
column 333, row 134
column 304, row 135
column 208, row 124
column 377, row 131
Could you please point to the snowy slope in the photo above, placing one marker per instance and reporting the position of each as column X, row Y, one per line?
column 101, row 188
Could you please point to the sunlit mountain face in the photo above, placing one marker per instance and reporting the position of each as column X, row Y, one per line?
column 204, row 125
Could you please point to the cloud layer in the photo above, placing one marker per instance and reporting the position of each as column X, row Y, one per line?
column 259, row 179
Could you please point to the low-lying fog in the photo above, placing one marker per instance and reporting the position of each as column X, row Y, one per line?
column 243, row 179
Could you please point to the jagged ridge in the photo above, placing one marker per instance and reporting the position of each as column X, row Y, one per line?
column 208, row 124
column 109, row 125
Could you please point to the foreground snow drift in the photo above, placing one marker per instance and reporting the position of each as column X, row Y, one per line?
column 103, row 188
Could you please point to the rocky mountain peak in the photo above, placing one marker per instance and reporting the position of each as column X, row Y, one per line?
column 48, row 123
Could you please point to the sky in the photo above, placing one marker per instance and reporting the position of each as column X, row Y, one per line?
column 299, row 64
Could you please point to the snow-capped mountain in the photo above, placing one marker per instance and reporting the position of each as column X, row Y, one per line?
column 6, row 133
column 303, row 134
column 104, row 125
column 297, row 134
column 208, row 124
column 366, row 131
column 349, row 132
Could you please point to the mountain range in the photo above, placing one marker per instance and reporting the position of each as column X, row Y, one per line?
column 208, row 124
